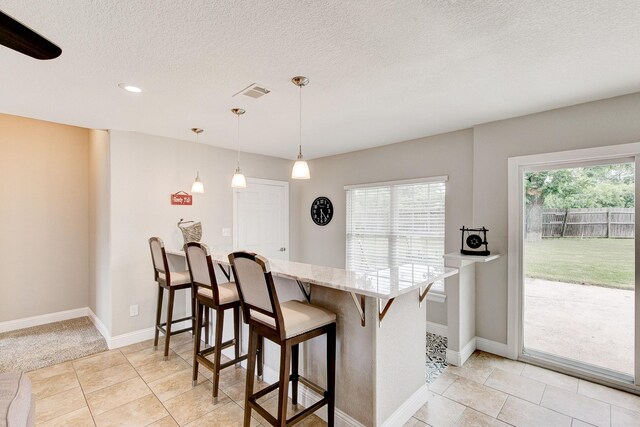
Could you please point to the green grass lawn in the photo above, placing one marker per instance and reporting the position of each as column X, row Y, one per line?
column 600, row 262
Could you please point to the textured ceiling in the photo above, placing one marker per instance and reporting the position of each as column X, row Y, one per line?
column 381, row 71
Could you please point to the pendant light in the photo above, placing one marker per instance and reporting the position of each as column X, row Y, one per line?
column 197, row 186
column 300, row 167
column 238, row 180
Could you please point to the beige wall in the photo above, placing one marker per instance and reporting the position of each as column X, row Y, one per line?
column 448, row 154
column 44, row 220
column 99, row 226
column 594, row 124
column 145, row 170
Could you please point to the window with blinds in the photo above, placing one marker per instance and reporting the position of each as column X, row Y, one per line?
column 392, row 224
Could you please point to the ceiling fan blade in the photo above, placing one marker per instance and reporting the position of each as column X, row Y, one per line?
column 18, row 37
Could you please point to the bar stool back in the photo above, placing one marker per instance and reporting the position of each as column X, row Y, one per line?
column 172, row 281
column 287, row 324
column 218, row 297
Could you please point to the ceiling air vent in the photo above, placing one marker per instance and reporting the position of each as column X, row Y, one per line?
column 254, row 90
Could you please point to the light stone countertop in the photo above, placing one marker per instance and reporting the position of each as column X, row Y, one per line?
column 384, row 284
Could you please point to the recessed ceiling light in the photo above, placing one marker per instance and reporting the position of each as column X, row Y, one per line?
column 129, row 88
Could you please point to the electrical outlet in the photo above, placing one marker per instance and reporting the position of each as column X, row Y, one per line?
column 133, row 310
column 226, row 232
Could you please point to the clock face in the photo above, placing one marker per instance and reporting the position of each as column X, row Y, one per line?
column 321, row 211
column 474, row 241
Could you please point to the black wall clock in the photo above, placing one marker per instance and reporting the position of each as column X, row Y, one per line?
column 322, row 210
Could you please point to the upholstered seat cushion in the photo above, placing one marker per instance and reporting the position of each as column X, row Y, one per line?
column 226, row 291
column 177, row 277
column 17, row 404
column 299, row 317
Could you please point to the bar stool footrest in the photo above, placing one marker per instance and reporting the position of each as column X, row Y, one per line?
column 210, row 350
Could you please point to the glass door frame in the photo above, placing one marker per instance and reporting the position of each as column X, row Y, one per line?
column 517, row 167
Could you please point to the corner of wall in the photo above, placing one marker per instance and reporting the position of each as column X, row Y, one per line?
column 99, row 228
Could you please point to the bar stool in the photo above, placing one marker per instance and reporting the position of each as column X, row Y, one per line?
column 172, row 281
column 287, row 324
column 218, row 297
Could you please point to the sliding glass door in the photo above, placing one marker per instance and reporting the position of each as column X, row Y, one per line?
column 578, row 266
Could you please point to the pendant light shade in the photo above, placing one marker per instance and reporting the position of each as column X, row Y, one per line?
column 197, row 186
column 300, row 167
column 238, row 180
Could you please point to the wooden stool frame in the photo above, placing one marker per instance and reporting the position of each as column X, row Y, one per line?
column 202, row 302
column 289, row 355
column 166, row 327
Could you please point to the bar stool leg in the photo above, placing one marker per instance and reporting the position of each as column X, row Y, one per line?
column 207, row 324
column 158, row 316
column 196, row 343
column 260, row 355
column 169, row 320
column 331, row 374
column 236, row 332
column 251, row 371
column 294, row 373
column 193, row 312
column 283, row 389
column 217, row 352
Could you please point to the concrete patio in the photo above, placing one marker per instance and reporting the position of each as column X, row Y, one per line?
column 590, row 324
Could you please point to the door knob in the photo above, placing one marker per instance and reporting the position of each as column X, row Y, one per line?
column 283, row 249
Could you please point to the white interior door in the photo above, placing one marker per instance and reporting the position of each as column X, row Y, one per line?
column 261, row 218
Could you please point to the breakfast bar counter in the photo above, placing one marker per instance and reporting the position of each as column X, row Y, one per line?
column 381, row 334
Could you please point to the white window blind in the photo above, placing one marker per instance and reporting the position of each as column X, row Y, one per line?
column 394, row 224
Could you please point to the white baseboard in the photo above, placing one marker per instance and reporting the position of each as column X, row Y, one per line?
column 27, row 322
column 307, row 397
column 130, row 338
column 493, row 347
column 458, row 358
column 437, row 328
column 101, row 327
column 408, row 408
column 141, row 335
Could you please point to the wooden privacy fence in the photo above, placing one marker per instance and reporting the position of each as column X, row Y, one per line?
column 592, row 222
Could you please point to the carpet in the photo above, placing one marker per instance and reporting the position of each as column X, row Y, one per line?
column 436, row 356
column 45, row 345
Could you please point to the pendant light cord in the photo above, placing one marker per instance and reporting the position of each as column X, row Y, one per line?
column 238, row 140
column 197, row 145
column 300, row 145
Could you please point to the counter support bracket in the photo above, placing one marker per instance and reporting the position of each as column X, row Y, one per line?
column 306, row 292
column 359, row 302
column 423, row 294
column 227, row 273
column 382, row 311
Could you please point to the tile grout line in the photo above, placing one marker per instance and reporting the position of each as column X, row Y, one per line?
column 206, row 379
column 84, row 396
column 150, row 389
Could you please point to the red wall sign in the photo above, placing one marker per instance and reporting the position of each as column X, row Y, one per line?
column 181, row 198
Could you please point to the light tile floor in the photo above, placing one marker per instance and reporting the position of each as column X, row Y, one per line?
column 492, row 391
column 133, row 386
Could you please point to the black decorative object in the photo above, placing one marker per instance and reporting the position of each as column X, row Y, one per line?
column 472, row 241
column 322, row 210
